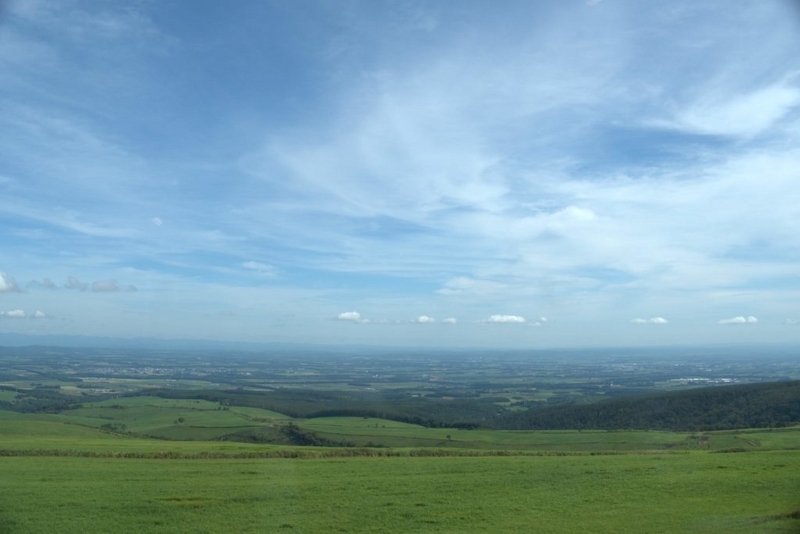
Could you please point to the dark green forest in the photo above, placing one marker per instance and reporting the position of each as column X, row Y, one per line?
column 765, row 405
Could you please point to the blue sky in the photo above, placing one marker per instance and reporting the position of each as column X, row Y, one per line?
column 513, row 174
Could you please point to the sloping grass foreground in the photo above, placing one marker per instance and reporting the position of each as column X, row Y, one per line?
column 694, row 492
column 82, row 471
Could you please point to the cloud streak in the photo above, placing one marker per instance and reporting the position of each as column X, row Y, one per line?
column 740, row 320
column 507, row 319
column 652, row 320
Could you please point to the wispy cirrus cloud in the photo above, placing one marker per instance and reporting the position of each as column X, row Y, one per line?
column 745, row 114
column 609, row 159
column 261, row 268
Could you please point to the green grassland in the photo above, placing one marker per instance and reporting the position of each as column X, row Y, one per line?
column 170, row 418
column 695, row 492
column 156, row 464
column 63, row 472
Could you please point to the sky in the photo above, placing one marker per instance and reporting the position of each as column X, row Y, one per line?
column 405, row 173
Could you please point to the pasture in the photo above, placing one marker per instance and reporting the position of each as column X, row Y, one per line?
column 691, row 492
column 90, row 479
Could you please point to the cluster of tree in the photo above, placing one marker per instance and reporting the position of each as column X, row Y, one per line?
column 285, row 434
column 298, row 436
column 39, row 400
column 763, row 405
column 117, row 428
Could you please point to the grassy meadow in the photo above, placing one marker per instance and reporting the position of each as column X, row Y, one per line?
column 68, row 472
column 693, row 492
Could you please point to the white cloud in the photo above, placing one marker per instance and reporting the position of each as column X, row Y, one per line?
column 422, row 319
column 740, row 320
column 39, row 315
column 352, row 316
column 14, row 314
column 157, row 221
column 7, row 283
column 505, row 319
column 450, row 320
column 105, row 286
column 652, row 320
column 791, row 321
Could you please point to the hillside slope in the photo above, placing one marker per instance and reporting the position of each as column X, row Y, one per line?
column 716, row 408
